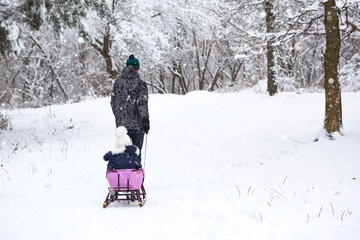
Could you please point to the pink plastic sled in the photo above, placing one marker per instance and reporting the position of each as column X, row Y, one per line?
column 125, row 185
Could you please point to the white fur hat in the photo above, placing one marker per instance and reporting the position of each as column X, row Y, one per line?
column 122, row 139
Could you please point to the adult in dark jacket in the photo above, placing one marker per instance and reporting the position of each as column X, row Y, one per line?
column 129, row 102
column 125, row 155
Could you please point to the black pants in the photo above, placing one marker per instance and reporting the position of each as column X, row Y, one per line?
column 137, row 138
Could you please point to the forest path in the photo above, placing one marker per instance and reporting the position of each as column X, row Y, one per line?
column 218, row 166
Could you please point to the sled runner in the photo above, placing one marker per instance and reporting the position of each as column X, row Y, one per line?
column 125, row 185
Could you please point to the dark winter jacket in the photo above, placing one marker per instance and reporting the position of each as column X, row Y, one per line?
column 126, row 158
column 129, row 100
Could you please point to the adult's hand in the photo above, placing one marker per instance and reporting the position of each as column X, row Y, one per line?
column 145, row 125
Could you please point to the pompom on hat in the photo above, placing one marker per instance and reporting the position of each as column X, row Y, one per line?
column 133, row 62
column 122, row 139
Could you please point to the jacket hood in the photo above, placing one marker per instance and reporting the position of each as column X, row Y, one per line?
column 129, row 72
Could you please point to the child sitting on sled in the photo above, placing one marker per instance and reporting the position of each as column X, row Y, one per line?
column 125, row 155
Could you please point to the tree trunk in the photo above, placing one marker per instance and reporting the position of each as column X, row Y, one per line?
column 201, row 73
column 104, row 49
column 271, row 49
column 197, row 62
column 4, row 122
column 173, row 79
column 235, row 71
column 182, row 81
column 107, row 46
column 333, row 112
column 177, row 73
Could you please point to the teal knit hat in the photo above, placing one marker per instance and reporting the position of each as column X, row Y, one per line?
column 133, row 62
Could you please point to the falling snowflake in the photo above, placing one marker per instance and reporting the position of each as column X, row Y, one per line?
column 340, row 3
column 288, row 12
column 80, row 40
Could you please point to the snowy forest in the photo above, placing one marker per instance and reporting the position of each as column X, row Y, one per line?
column 254, row 108
column 58, row 50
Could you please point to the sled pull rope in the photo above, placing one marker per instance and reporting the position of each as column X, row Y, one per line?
column 145, row 149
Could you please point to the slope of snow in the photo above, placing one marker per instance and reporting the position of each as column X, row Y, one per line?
column 218, row 166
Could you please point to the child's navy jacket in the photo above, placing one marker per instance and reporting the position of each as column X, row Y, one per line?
column 123, row 158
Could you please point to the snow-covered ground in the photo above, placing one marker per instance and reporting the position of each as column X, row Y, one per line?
column 218, row 166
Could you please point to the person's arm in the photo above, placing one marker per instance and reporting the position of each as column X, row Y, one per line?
column 143, row 106
column 112, row 101
column 107, row 156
